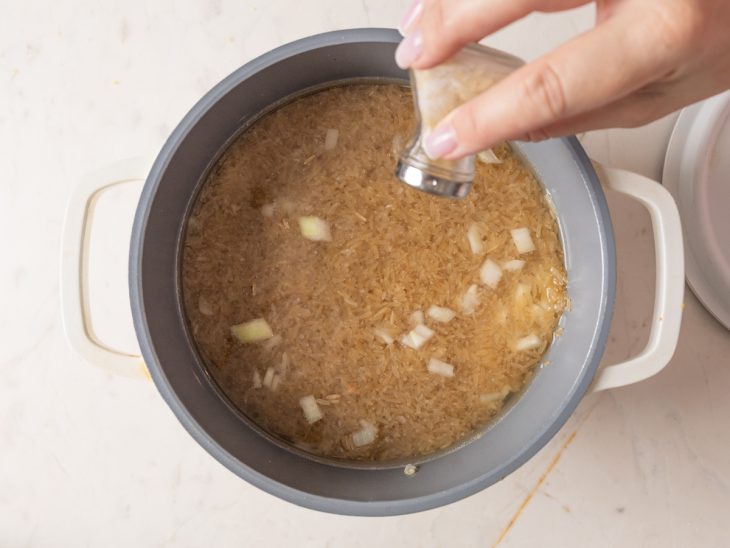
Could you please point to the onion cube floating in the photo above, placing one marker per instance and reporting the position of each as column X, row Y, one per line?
column 417, row 337
column 470, row 300
column 475, row 239
column 488, row 157
column 440, row 314
column 268, row 377
column 417, row 318
column 330, row 139
column 315, row 229
column 514, row 265
column 493, row 396
column 528, row 343
column 383, row 335
column 437, row 367
column 253, row 331
column 366, row 435
column 311, row 410
column 523, row 240
column 490, row 273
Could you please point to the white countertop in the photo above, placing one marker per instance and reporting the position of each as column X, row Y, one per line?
column 90, row 459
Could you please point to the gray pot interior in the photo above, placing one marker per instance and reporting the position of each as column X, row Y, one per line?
column 184, row 382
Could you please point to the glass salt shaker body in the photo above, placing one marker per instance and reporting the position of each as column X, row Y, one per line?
column 436, row 92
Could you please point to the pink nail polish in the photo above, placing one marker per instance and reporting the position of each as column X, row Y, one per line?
column 440, row 142
column 410, row 16
column 409, row 49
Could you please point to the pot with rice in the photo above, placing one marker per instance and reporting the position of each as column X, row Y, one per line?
column 346, row 342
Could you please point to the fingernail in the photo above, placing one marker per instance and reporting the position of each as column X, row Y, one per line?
column 410, row 16
column 409, row 49
column 440, row 142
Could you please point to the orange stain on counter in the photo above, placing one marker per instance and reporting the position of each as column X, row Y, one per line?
column 535, row 488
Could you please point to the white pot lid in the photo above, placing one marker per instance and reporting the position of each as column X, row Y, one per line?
column 697, row 173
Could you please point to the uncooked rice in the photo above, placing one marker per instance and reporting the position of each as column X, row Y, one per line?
column 339, row 309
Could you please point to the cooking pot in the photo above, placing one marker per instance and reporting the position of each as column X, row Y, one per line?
column 531, row 419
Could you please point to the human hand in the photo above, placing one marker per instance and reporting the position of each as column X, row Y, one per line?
column 642, row 60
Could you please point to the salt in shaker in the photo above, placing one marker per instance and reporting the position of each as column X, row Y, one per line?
column 436, row 92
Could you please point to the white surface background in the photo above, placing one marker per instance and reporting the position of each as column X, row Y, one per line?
column 88, row 459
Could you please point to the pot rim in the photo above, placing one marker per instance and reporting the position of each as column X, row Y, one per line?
column 235, row 465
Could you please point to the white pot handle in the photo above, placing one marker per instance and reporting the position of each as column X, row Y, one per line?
column 669, row 291
column 75, row 262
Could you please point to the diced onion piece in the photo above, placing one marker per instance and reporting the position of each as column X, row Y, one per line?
column 514, row 265
column 523, row 240
column 410, row 469
column 315, row 229
column 528, row 343
column 437, row 367
column 312, row 412
column 489, row 157
column 275, row 382
column 205, row 307
column 383, row 335
column 490, row 273
column 366, row 435
column 416, row 338
column 470, row 300
column 253, row 331
column 410, row 342
column 475, row 239
column 493, row 396
column 423, row 331
column 273, row 342
column 267, row 210
column 440, row 314
column 256, row 379
column 416, row 318
column 268, row 377
column 330, row 139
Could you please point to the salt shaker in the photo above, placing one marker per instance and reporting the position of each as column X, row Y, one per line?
column 436, row 92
